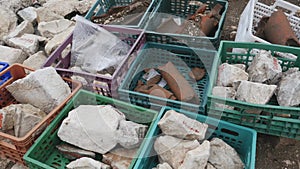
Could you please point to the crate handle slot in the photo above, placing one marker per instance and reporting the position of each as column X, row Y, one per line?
column 230, row 132
column 289, row 6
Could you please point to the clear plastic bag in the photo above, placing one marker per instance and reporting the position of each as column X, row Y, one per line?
column 94, row 48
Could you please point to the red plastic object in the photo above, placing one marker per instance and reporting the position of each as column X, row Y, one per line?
column 13, row 147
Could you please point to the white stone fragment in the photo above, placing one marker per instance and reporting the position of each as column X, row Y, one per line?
column 256, row 93
column 26, row 118
column 228, row 74
column 46, row 15
column 163, row 166
column 27, row 44
column 84, row 6
column 58, row 40
column 36, row 61
column 12, row 55
column 120, row 158
column 173, row 150
column 264, row 68
column 181, row 126
column 61, row 7
column 19, row 166
column 21, row 117
column 15, row 5
column 28, row 14
column 197, row 158
column 95, row 127
column 87, row 163
column 241, row 66
column 224, row 156
column 8, row 21
column 130, row 134
column 80, row 79
column 288, row 91
column 225, row 92
column 44, row 84
column 24, row 27
column 7, row 117
column 52, row 28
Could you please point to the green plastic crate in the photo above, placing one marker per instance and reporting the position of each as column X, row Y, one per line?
column 242, row 139
column 43, row 154
column 269, row 123
column 102, row 6
column 183, row 9
column 153, row 55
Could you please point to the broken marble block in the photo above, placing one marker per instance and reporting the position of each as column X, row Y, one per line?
column 61, row 7
column 229, row 73
column 28, row 14
column 87, row 163
column 95, row 127
column 130, row 134
column 197, row 158
column 256, row 93
column 8, row 21
column 180, row 126
column 288, row 90
column 241, row 66
column 12, row 55
column 225, row 92
column 72, row 152
column 58, row 40
column 36, row 61
column 80, row 79
column 44, row 84
column 120, row 158
column 7, row 117
column 24, row 27
column 264, row 68
column 46, row 15
column 20, row 117
column 224, row 156
column 173, row 150
column 163, row 166
column 52, row 28
column 26, row 118
column 29, row 45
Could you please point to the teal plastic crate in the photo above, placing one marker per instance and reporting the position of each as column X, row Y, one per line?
column 43, row 153
column 153, row 55
column 102, row 6
column 271, row 121
column 242, row 139
column 183, row 9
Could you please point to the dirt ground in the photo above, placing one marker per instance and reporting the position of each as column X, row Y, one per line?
column 271, row 152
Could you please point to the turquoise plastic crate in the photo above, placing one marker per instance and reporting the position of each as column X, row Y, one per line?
column 43, row 153
column 153, row 55
column 183, row 9
column 270, row 122
column 242, row 139
column 102, row 6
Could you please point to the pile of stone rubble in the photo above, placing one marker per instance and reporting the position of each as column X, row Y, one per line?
column 31, row 30
column 19, row 119
column 182, row 146
column 263, row 79
column 100, row 129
